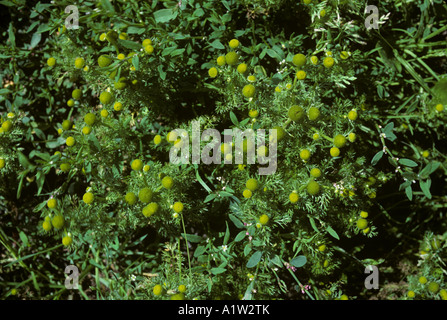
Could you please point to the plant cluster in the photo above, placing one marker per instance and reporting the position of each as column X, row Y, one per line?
column 88, row 125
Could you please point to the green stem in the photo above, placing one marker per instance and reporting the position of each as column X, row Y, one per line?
column 323, row 135
column 253, row 36
column 301, row 188
column 404, row 116
column 287, row 123
column 180, row 261
column 296, row 279
column 279, row 282
column 387, row 150
column 186, row 241
column 98, row 283
column 294, row 81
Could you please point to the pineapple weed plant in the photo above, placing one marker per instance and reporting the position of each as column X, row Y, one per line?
column 86, row 122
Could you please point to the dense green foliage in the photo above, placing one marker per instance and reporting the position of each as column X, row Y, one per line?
column 86, row 178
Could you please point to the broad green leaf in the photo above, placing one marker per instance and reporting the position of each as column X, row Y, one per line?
column 247, row 249
column 272, row 53
column 409, row 192
column 234, row 206
column 332, row 232
column 210, row 197
column 192, row 238
column 240, row 33
column 40, row 206
column 44, row 27
column 136, row 62
column 217, row 44
column 129, row 44
column 177, row 52
column 226, row 4
column 199, row 251
column 11, row 34
column 276, row 260
column 404, row 185
column 226, row 18
column 40, row 180
column 279, row 51
column 203, row 259
column 234, row 119
column 39, row 133
column 240, row 236
column 312, row 223
column 391, row 136
column 254, row 259
column 380, row 90
column 135, row 30
column 388, row 128
column 24, row 238
column 191, row 61
column 425, row 187
column 43, row 156
column 164, row 15
column 210, row 281
column 227, row 234
column 24, row 160
column 168, row 50
column 244, row 122
column 8, row 3
column 162, row 73
column 20, row 186
column 407, row 162
column 177, row 36
column 236, row 221
column 298, row 261
column 429, row 169
column 262, row 54
column 94, row 142
column 217, row 271
column 251, row 230
column 107, row 5
column 35, row 39
column 225, row 194
column 376, row 158
column 249, row 292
